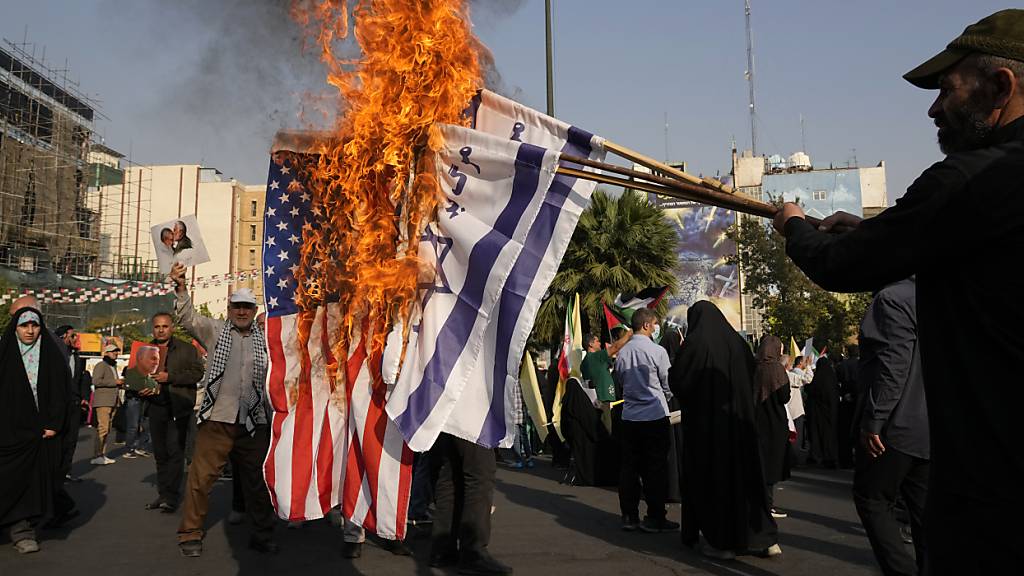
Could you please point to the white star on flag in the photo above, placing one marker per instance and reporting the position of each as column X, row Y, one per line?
column 294, row 268
column 274, row 185
column 281, row 225
column 283, row 197
column 285, row 170
column 272, row 302
column 282, row 255
column 271, row 211
column 293, row 239
column 305, row 196
column 270, row 241
column 270, row 271
column 282, row 283
column 294, row 211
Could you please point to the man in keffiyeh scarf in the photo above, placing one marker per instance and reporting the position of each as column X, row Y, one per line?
column 33, row 409
column 231, row 414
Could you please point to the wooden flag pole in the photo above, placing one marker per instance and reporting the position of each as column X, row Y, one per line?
column 653, row 164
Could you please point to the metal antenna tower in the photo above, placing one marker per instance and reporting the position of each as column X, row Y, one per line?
column 750, row 78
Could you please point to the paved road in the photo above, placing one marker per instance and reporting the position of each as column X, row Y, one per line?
column 540, row 527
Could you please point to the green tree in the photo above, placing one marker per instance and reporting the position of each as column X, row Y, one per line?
column 621, row 245
column 793, row 305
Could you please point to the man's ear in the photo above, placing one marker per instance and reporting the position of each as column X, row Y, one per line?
column 1004, row 85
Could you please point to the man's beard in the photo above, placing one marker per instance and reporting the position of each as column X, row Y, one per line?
column 967, row 127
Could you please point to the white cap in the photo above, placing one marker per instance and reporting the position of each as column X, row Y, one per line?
column 111, row 348
column 243, row 296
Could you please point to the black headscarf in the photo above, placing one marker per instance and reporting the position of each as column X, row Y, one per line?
column 28, row 463
column 769, row 375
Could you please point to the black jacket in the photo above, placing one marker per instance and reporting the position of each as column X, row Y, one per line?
column 961, row 219
column 893, row 402
column 184, row 371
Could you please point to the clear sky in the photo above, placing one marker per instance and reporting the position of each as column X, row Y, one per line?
column 187, row 81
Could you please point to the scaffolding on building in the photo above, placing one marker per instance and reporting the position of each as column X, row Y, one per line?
column 73, row 212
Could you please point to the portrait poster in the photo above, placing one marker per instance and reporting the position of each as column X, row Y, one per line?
column 179, row 241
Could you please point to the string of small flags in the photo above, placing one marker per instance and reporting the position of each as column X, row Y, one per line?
column 119, row 292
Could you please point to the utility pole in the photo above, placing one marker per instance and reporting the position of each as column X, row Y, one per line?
column 550, row 65
column 750, row 78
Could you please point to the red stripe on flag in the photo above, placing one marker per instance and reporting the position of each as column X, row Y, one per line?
column 302, row 439
column 278, row 400
column 325, row 451
column 353, row 467
column 404, row 490
column 373, row 435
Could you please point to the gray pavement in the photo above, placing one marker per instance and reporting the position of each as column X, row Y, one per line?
column 540, row 527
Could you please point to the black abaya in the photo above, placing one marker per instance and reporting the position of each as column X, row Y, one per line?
column 771, row 387
column 30, row 464
column 594, row 453
column 723, row 489
column 823, row 413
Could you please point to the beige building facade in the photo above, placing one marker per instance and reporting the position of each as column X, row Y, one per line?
column 250, row 204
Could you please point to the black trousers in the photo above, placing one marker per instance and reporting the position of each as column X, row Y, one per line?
column 463, row 496
column 876, row 483
column 169, row 437
column 644, row 459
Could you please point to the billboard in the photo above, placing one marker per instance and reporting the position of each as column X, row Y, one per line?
column 702, row 252
column 820, row 192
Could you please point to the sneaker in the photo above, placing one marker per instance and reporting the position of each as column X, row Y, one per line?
column 653, row 526
column 142, row 453
column 130, row 455
column 712, row 552
column 776, row 513
column 530, row 464
column 26, row 546
column 235, row 517
column 191, row 549
column 518, row 465
column 108, row 460
column 629, row 523
column 772, row 551
column 100, row 461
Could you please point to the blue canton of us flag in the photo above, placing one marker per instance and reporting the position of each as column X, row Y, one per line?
column 288, row 213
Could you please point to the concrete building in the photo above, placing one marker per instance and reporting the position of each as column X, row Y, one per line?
column 250, row 202
column 821, row 192
column 156, row 196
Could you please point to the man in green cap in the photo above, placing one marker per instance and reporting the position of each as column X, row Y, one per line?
column 959, row 215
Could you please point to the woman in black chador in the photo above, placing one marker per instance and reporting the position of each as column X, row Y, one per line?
column 722, row 485
column 771, row 393
column 34, row 384
column 823, row 412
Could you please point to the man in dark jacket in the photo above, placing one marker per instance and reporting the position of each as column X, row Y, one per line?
column 846, row 373
column 892, row 457
column 171, row 409
column 78, row 396
column 961, row 212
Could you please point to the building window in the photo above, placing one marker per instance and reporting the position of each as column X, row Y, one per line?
column 252, row 257
column 819, row 194
column 252, row 232
column 253, row 208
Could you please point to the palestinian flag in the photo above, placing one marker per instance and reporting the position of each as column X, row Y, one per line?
column 646, row 298
column 615, row 316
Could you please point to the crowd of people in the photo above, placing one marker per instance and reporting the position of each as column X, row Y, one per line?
column 923, row 413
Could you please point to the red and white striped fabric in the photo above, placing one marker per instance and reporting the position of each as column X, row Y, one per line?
column 330, row 444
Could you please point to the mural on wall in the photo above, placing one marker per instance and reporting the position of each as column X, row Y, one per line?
column 821, row 192
column 703, row 251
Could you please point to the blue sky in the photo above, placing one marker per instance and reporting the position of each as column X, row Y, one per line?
column 210, row 81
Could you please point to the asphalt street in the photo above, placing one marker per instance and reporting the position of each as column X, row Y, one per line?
column 540, row 527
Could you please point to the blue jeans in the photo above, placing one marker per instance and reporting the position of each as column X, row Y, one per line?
column 521, row 445
column 133, row 420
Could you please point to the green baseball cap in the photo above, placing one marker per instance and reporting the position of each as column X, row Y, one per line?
column 1000, row 34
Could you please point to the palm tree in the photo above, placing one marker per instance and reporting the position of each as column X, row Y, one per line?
column 621, row 245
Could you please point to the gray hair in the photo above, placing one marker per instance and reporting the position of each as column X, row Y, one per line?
column 987, row 64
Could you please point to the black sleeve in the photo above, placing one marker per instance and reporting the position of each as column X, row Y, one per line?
column 783, row 394
column 882, row 249
column 890, row 324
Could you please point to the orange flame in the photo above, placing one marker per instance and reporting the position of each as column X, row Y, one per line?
column 419, row 66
